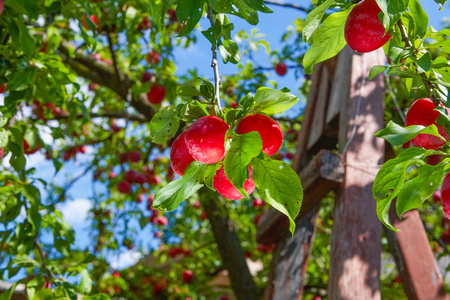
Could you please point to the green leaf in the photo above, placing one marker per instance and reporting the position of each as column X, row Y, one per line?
column 86, row 282
column 242, row 150
column 390, row 179
column 229, row 51
column 398, row 135
column 159, row 9
column 439, row 62
column 188, row 91
column 169, row 197
column 243, row 9
column 444, row 46
column 424, row 62
column 375, row 70
column 269, row 101
column 421, row 187
column 4, row 137
column 3, row 121
column 189, row 12
column 164, row 124
column 24, row 260
column 420, row 18
column 326, row 41
column 193, row 110
column 208, row 178
column 279, row 186
column 313, row 19
column 392, row 10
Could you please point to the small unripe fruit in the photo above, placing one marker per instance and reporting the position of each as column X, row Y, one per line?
column 268, row 129
column 180, row 158
column 422, row 113
column 205, row 139
column 281, row 69
column 363, row 30
column 224, row 187
column 124, row 187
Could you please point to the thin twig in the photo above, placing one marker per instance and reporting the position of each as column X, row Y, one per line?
column 43, row 254
column 114, row 115
column 424, row 78
column 287, row 5
column 113, row 55
column 440, row 242
column 214, row 64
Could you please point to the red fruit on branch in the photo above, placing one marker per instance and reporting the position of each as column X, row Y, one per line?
column 224, row 187
column 187, row 276
column 180, row 158
column 162, row 221
column 363, row 30
column 93, row 19
column 281, row 69
column 422, row 113
column 140, row 198
column 437, row 196
column 140, row 178
column 146, row 77
column 205, row 139
column 145, row 24
column 2, row 89
column 116, row 274
column 153, row 58
column 434, row 159
column 445, row 195
column 134, row 156
column 268, row 129
column 258, row 202
column 27, row 150
column 156, row 94
column 130, row 175
column 124, row 187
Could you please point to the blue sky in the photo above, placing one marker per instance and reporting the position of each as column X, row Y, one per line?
column 196, row 56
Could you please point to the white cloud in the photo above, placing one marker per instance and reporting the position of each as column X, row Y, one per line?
column 125, row 259
column 76, row 211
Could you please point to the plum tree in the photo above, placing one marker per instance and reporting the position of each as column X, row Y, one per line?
column 224, row 186
column 422, row 113
column 205, row 139
column 364, row 31
column 270, row 132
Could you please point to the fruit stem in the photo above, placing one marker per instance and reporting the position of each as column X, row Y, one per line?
column 424, row 78
column 214, row 64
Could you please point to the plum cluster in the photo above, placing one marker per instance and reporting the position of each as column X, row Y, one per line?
column 204, row 141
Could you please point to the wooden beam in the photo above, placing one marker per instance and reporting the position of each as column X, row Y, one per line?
column 290, row 260
column 356, row 234
column 415, row 260
column 322, row 175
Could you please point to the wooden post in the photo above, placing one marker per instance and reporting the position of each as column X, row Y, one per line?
column 323, row 174
column 415, row 260
column 290, row 260
column 356, row 234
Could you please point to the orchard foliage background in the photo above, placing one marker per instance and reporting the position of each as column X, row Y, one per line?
column 81, row 82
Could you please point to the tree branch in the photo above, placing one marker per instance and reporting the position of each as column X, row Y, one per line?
column 100, row 72
column 113, row 115
column 287, row 5
column 113, row 55
column 214, row 64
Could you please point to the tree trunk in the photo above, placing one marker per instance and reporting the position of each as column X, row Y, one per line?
column 233, row 258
